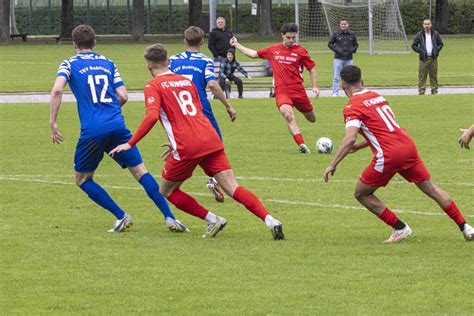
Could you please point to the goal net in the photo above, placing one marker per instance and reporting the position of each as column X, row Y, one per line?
column 377, row 23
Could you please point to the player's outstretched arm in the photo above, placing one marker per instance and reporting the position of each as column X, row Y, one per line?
column 54, row 105
column 467, row 134
column 245, row 50
column 346, row 146
column 122, row 95
column 217, row 91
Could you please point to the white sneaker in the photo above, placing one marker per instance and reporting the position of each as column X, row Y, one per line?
column 213, row 228
column 122, row 224
column 304, row 149
column 334, row 94
column 399, row 235
column 468, row 232
column 175, row 226
column 276, row 228
column 213, row 186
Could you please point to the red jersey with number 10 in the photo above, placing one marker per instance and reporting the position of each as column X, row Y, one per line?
column 189, row 131
column 287, row 63
column 370, row 112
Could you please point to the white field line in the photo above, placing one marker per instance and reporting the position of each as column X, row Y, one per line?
column 252, row 178
column 286, row 202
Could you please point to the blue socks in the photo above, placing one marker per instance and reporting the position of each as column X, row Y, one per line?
column 153, row 190
column 101, row 197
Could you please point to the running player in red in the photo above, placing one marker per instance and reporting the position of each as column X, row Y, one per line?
column 287, row 60
column 369, row 114
column 174, row 100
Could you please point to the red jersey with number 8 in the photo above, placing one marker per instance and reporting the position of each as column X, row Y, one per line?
column 189, row 131
column 372, row 114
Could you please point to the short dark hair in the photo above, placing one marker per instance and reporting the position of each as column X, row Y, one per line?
column 351, row 74
column 156, row 54
column 83, row 36
column 343, row 19
column 193, row 35
column 289, row 28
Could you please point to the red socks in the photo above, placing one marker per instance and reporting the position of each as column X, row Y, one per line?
column 250, row 201
column 187, row 203
column 298, row 139
column 453, row 212
column 388, row 217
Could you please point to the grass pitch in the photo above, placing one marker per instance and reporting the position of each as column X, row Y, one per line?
column 58, row 259
column 33, row 67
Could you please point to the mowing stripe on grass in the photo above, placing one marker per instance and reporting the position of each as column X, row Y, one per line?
column 286, row 202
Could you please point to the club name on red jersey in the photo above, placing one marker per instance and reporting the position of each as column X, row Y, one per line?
column 176, row 83
column 374, row 101
column 285, row 59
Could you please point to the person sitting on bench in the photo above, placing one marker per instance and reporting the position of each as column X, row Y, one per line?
column 226, row 74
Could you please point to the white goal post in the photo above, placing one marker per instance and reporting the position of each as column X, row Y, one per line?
column 377, row 23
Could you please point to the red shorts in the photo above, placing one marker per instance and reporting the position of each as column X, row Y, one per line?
column 296, row 97
column 413, row 170
column 180, row 170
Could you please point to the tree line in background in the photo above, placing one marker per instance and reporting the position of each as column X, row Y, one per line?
column 195, row 17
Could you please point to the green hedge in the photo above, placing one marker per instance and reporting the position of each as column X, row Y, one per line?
column 115, row 21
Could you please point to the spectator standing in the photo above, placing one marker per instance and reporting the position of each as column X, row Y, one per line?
column 343, row 43
column 427, row 44
column 226, row 73
column 219, row 39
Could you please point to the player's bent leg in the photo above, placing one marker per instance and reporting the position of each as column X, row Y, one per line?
column 229, row 184
column 364, row 193
column 186, row 203
column 443, row 199
column 310, row 116
column 97, row 194
column 151, row 187
column 287, row 112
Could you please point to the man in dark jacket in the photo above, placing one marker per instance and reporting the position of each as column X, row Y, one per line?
column 219, row 40
column 427, row 44
column 343, row 43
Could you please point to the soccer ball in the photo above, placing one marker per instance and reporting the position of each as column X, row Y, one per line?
column 324, row 145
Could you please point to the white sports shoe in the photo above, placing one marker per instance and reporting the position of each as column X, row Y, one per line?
column 304, row 149
column 213, row 186
column 276, row 228
column 213, row 228
column 175, row 226
column 122, row 224
column 468, row 232
column 399, row 235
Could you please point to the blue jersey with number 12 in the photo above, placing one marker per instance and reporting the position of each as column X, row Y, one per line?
column 93, row 80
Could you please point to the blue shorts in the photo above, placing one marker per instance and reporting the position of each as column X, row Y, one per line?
column 90, row 150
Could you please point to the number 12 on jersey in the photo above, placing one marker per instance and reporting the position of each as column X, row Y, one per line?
column 95, row 80
column 388, row 117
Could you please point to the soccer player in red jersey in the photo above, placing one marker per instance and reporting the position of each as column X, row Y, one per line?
column 174, row 100
column 369, row 114
column 287, row 60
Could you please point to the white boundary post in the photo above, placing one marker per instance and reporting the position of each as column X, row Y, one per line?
column 212, row 14
column 371, row 30
column 297, row 20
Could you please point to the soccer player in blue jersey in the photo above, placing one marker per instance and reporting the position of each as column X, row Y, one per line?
column 100, row 94
column 200, row 69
